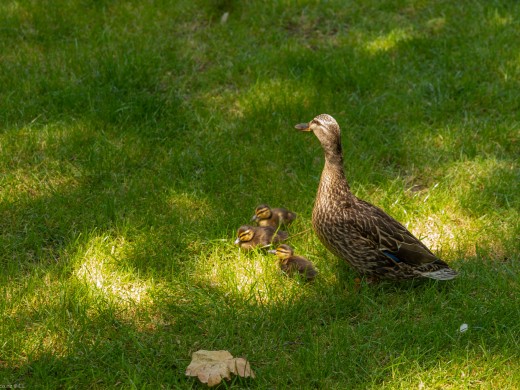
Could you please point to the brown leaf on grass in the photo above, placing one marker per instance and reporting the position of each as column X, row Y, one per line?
column 213, row 366
column 240, row 367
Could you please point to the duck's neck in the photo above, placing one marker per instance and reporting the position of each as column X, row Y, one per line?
column 333, row 176
column 333, row 186
column 334, row 154
column 333, row 181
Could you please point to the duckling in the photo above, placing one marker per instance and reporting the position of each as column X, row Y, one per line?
column 371, row 241
column 290, row 264
column 266, row 216
column 250, row 237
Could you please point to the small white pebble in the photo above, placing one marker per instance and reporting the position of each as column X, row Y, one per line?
column 463, row 328
column 224, row 17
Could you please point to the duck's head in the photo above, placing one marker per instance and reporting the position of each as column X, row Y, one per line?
column 244, row 233
column 327, row 130
column 283, row 251
column 263, row 211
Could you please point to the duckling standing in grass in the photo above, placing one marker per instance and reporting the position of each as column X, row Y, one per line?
column 250, row 237
column 266, row 216
column 291, row 264
column 371, row 241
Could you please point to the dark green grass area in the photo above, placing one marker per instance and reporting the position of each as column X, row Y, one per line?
column 137, row 136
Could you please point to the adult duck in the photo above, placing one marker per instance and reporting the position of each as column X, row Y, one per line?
column 371, row 241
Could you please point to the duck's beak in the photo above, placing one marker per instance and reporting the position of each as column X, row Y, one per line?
column 237, row 241
column 303, row 127
column 255, row 218
column 272, row 251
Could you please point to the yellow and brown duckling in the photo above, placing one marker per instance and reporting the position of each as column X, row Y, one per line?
column 274, row 217
column 250, row 237
column 291, row 264
column 370, row 240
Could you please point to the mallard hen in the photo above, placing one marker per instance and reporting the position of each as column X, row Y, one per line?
column 250, row 237
column 266, row 216
column 371, row 241
column 291, row 264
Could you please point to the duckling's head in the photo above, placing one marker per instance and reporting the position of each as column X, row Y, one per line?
column 263, row 211
column 244, row 233
column 328, row 132
column 283, row 251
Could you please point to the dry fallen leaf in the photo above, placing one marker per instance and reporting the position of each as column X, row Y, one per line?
column 240, row 367
column 213, row 366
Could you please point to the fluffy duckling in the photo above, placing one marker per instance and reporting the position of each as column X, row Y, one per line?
column 266, row 216
column 250, row 237
column 290, row 264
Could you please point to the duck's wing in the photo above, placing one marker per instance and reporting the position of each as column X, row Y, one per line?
column 392, row 238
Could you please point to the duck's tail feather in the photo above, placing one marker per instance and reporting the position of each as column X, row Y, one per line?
column 441, row 274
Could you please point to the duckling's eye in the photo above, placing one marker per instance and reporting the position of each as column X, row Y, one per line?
column 245, row 235
column 262, row 212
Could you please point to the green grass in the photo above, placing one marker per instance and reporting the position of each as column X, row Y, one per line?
column 137, row 136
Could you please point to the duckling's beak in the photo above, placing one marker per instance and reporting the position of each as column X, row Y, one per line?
column 303, row 127
column 237, row 241
column 255, row 218
column 272, row 251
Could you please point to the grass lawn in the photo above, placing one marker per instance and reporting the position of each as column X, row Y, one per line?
column 137, row 136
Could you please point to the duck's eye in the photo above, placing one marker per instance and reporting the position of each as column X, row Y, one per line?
column 314, row 124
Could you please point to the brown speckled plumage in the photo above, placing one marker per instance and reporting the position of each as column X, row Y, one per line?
column 291, row 264
column 249, row 237
column 371, row 241
column 274, row 217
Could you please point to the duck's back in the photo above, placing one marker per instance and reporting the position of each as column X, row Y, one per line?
column 373, row 242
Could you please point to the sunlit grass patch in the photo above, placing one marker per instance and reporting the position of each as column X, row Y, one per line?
column 102, row 267
column 472, row 371
column 252, row 277
column 188, row 207
column 501, row 19
column 389, row 41
column 437, row 232
column 278, row 94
